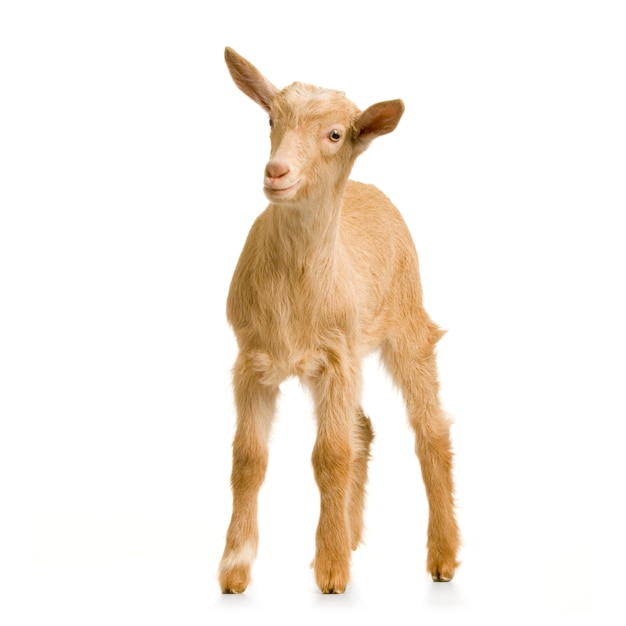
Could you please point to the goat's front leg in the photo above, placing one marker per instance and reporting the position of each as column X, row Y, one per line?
column 336, row 396
column 256, row 403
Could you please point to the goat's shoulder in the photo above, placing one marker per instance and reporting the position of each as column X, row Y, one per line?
column 367, row 213
column 368, row 202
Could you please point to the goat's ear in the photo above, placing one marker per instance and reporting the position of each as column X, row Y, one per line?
column 379, row 119
column 249, row 79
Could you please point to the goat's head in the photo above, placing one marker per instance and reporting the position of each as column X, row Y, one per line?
column 316, row 134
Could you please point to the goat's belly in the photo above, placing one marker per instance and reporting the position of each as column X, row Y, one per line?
column 283, row 341
column 297, row 347
column 305, row 348
column 272, row 369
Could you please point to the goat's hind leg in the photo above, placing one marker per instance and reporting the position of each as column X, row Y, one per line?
column 412, row 365
column 256, row 404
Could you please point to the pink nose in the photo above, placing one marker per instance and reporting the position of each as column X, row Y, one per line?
column 276, row 169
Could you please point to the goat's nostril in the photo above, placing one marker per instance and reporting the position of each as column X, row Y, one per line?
column 276, row 169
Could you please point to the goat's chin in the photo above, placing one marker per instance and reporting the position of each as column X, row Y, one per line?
column 279, row 195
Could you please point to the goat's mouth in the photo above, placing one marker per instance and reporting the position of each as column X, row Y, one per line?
column 280, row 192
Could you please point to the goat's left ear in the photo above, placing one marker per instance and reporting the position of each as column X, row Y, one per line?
column 379, row 119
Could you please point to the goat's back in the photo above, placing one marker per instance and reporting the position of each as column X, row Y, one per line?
column 379, row 245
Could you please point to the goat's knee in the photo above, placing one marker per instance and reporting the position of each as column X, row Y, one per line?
column 332, row 465
column 249, row 466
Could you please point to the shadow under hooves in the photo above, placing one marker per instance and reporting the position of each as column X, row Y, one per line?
column 445, row 597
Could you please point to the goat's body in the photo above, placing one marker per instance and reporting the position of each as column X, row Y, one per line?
column 329, row 273
column 291, row 297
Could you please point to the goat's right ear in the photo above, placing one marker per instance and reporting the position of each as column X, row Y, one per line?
column 249, row 79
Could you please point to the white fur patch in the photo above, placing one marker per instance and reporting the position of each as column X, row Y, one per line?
column 244, row 556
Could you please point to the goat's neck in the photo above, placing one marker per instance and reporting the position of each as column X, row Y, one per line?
column 307, row 235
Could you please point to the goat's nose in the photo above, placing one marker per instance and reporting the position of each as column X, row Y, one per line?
column 276, row 169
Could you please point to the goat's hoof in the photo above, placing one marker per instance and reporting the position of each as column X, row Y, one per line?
column 443, row 573
column 330, row 588
column 234, row 580
column 332, row 578
column 442, row 570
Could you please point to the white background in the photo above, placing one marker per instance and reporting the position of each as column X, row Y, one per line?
column 131, row 170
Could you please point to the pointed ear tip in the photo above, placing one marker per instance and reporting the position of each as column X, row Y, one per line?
column 231, row 55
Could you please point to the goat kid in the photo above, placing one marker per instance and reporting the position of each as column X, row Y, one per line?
column 329, row 273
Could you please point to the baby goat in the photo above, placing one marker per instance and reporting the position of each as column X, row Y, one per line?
column 329, row 273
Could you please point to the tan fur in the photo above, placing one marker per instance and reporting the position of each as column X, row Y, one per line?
column 329, row 273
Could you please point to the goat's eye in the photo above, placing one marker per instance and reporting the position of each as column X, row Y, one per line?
column 271, row 123
column 334, row 135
